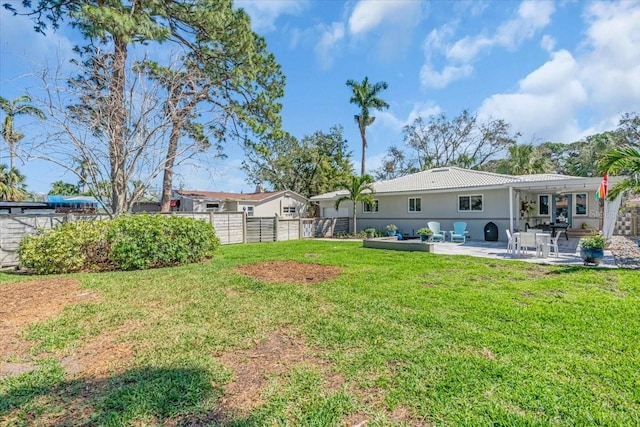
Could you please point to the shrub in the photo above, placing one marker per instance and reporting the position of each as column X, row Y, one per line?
column 125, row 243
column 149, row 241
column 425, row 231
column 594, row 242
column 70, row 247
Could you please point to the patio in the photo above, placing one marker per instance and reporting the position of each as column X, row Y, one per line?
column 569, row 252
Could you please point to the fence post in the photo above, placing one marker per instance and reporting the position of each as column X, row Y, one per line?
column 244, row 228
column 276, row 224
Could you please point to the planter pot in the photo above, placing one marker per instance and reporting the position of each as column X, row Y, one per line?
column 591, row 256
column 391, row 233
column 424, row 238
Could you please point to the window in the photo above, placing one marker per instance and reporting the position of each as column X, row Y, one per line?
column 415, row 204
column 470, row 203
column 543, row 204
column 288, row 210
column 249, row 210
column 581, row 204
column 213, row 207
column 370, row 208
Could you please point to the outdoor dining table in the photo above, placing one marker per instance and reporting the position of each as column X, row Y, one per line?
column 539, row 241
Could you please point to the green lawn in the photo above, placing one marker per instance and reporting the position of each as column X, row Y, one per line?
column 397, row 339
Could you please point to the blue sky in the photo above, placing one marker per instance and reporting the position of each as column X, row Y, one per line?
column 557, row 71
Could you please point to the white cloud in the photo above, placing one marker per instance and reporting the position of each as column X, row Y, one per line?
column 388, row 119
column 548, row 43
column 431, row 78
column 265, row 13
column 369, row 14
column 531, row 17
column 611, row 66
column 392, row 20
column 602, row 82
column 326, row 47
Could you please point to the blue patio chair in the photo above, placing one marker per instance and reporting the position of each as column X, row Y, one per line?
column 459, row 230
column 437, row 236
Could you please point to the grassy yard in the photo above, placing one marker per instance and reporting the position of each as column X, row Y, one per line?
column 396, row 339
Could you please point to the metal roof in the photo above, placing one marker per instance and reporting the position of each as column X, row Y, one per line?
column 442, row 179
column 455, row 178
column 240, row 197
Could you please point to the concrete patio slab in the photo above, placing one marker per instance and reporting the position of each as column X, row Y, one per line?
column 569, row 252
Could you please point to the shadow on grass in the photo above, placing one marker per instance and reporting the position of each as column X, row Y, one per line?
column 172, row 397
column 179, row 396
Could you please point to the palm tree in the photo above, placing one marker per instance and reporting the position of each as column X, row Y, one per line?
column 523, row 160
column 12, row 186
column 17, row 107
column 359, row 189
column 625, row 160
column 365, row 96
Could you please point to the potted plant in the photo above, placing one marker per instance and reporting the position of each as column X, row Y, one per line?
column 424, row 233
column 592, row 249
column 391, row 229
column 370, row 232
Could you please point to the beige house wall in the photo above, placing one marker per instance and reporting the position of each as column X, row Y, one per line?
column 276, row 206
column 443, row 208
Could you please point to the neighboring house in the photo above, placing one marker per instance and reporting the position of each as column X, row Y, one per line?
column 287, row 204
column 452, row 194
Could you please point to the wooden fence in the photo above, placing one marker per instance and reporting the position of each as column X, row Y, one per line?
column 231, row 227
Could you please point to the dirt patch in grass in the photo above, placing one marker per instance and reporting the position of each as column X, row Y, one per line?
column 290, row 272
column 275, row 355
column 104, row 354
column 22, row 304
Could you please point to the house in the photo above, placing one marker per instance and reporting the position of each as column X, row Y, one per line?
column 283, row 203
column 451, row 194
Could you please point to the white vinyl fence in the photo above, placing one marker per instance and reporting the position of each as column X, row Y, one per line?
column 231, row 227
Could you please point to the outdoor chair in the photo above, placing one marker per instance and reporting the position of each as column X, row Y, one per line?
column 553, row 244
column 437, row 236
column 459, row 232
column 511, row 244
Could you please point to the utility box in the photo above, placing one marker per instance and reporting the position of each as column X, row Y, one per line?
column 490, row 232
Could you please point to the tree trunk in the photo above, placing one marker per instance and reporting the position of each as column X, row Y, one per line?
column 12, row 154
column 364, row 148
column 167, row 179
column 355, row 228
column 117, row 128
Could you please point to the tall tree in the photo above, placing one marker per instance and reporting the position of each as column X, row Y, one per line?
column 624, row 159
column 439, row 141
column 310, row 166
column 359, row 189
column 523, row 160
column 210, row 33
column 365, row 96
column 19, row 106
column 12, row 185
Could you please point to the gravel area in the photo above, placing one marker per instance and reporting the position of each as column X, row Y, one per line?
column 626, row 251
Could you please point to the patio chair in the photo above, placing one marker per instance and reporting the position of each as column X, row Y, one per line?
column 553, row 244
column 511, row 244
column 459, row 232
column 437, row 236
